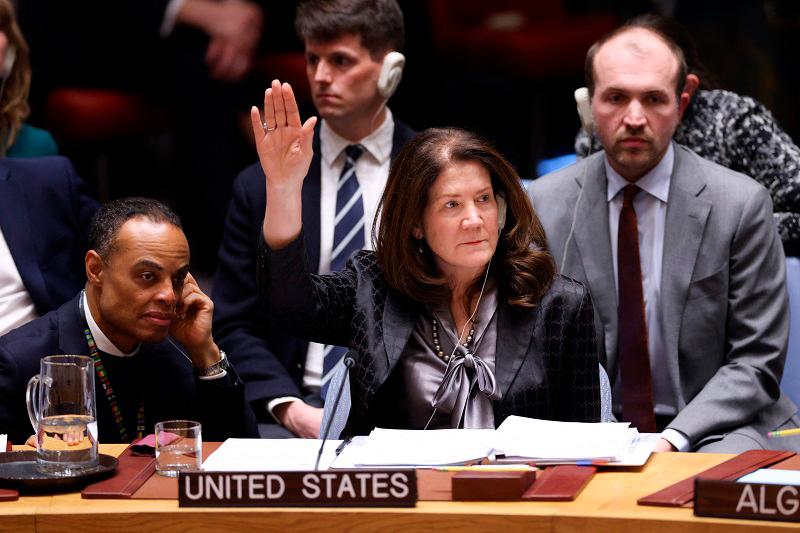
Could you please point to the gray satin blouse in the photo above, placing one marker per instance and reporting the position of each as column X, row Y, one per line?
column 457, row 394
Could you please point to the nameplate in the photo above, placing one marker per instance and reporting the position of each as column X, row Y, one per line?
column 337, row 488
column 729, row 499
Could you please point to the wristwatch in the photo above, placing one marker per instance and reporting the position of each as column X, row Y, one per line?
column 216, row 368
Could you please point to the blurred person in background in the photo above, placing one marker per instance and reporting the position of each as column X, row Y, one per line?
column 17, row 139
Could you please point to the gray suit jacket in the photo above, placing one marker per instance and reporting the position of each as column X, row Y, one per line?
column 723, row 291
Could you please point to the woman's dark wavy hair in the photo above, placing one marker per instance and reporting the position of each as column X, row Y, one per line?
column 522, row 267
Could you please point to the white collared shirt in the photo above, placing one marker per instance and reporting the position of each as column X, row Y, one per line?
column 102, row 342
column 651, row 214
column 16, row 304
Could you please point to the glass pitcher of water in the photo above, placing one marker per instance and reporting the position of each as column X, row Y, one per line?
column 62, row 408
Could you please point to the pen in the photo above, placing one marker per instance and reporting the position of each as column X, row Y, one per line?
column 783, row 433
column 342, row 446
column 591, row 462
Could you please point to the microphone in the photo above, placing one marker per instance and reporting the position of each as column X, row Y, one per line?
column 349, row 362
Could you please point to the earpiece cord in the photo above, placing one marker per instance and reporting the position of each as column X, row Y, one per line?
column 571, row 229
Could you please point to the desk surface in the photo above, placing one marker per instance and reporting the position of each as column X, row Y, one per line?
column 608, row 503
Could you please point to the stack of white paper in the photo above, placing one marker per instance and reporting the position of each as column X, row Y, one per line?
column 517, row 439
column 397, row 447
column 546, row 440
column 264, row 455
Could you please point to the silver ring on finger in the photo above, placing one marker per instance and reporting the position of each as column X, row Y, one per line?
column 268, row 129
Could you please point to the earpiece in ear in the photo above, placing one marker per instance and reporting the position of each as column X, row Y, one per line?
column 501, row 213
column 584, row 104
column 391, row 72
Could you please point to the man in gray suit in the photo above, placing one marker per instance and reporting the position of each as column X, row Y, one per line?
column 681, row 257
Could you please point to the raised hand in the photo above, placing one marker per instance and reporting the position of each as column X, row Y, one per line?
column 284, row 149
column 283, row 143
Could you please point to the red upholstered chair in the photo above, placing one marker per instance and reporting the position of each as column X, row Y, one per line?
column 92, row 119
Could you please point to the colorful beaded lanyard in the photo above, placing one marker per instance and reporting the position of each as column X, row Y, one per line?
column 102, row 375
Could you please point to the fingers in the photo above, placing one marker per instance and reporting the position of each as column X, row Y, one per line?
column 193, row 298
column 278, row 101
column 255, row 122
column 189, row 280
column 290, row 103
column 308, row 127
column 308, row 130
column 269, row 107
column 189, row 302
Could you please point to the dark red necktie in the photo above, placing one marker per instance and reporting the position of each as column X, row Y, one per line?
column 634, row 357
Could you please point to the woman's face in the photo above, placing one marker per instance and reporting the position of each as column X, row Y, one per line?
column 460, row 221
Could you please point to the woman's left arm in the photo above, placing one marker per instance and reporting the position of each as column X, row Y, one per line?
column 317, row 308
column 580, row 380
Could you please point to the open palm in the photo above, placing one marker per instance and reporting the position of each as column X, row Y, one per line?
column 282, row 141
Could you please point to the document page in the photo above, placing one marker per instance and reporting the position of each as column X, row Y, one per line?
column 400, row 447
column 772, row 476
column 263, row 455
column 530, row 438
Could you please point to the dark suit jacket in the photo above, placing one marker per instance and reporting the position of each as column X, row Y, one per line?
column 546, row 362
column 45, row 209
column 170, row 389
column 271, row 361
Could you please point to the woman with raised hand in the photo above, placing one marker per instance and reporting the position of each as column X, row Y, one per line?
column 457, row 319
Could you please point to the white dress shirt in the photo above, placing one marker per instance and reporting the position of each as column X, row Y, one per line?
column 372, row 172
column 102, row 342
column 651, row 213
column 16, row 304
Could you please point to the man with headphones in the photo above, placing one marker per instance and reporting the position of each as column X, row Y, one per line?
column 681, row 256
column 353, row 67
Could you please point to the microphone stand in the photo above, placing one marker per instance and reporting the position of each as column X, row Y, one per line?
column 349, row 362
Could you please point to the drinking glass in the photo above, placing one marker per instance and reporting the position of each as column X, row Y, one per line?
column 179, row 447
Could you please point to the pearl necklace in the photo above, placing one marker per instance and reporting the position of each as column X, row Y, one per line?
column 438, row 347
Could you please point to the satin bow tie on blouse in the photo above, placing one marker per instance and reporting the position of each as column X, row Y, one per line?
column 464, row 371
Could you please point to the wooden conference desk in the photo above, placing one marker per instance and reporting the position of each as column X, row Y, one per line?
column 608, row 503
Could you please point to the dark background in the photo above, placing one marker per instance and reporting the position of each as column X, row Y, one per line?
column 506, row 69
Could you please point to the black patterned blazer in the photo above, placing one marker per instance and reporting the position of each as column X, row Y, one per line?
column 546, row 362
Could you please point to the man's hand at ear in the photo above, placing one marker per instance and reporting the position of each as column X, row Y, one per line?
column 192, row 325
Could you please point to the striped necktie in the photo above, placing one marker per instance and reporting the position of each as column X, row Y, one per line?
column 348, row 233
column 348, row 236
